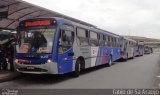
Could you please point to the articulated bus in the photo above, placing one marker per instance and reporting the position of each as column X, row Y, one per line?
column 58, row 46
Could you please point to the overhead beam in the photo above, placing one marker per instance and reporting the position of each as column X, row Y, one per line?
column 22, row 17
column 18, row 10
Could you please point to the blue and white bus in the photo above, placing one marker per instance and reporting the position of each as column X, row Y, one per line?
column 59, row 46
column 128, row 48
column 148, row 49
column 140, row 49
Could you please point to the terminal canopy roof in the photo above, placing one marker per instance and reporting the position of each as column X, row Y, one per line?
column 19, row 10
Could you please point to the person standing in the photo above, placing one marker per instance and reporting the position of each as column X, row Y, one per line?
column 10, row 57
column 4, row 56
column 1, row 57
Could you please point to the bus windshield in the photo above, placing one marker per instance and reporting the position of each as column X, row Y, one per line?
column 35, row 41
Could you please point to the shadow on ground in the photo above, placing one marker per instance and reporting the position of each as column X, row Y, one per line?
column 54, row 79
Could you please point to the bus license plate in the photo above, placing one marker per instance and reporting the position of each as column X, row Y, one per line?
column 30, row 68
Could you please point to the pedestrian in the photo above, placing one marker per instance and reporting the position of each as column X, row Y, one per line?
column 4, row 54
column 11, row 52
column 10, row 57
column 7, row 57
column 1, row 57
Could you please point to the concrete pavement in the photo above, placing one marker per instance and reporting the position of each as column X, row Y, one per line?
column 8, row 75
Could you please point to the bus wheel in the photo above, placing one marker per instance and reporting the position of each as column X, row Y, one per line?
column 77, row 69
column 110, row 61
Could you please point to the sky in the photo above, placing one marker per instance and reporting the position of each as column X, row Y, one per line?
column 123, row 17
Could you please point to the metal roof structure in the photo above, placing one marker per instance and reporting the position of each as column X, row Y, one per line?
column 19, row 10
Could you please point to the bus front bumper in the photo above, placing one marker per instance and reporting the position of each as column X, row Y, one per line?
column 47, row 68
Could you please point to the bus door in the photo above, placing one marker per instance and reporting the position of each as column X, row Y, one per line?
column 122, row 47
column 65, row 49
column 102, row 40
column 121, row 44
column 125, row 48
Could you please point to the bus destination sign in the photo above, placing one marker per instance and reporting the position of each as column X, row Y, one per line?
column 37, row 23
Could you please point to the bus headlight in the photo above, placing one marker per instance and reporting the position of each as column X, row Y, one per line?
column 49, row 61
column 16, row 61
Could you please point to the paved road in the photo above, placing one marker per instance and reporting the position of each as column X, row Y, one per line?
column 137, row 73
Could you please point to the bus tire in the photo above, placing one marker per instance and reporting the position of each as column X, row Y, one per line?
column 109, row 61
column 77, row 69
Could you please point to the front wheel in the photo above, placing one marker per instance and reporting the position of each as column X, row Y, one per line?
column 77, row 69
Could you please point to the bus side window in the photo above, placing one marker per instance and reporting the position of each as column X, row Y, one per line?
column 94, row 39
column 66, row 39
column 106, row 40
column 101, row 40
column 82, row 36
column 109, row 41
column 117, row 42
column 112, row 42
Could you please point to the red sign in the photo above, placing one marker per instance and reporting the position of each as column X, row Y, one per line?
column 37, row 23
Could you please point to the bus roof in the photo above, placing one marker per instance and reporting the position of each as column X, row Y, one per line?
column 126, row 38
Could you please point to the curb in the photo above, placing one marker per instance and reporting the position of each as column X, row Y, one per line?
column 10, row 77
